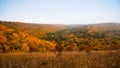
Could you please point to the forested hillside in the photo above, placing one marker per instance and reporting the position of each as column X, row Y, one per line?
column 104, row 36
column 37, row 30
column 26, row 37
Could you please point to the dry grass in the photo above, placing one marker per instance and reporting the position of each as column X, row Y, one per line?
column 95, row 59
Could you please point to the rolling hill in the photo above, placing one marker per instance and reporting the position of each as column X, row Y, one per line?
column 95, row 36
column 27, row 37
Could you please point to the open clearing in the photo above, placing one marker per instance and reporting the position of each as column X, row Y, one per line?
column 95, row 59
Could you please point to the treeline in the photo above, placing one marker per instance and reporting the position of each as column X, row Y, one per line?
column 26, row 37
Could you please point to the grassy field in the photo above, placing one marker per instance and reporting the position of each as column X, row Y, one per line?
column 95, row 59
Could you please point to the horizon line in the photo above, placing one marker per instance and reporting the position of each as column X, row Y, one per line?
column 57, row 23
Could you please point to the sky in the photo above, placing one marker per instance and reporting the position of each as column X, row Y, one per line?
column 60, row 11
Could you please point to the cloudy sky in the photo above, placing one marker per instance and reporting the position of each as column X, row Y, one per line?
column 60, row 11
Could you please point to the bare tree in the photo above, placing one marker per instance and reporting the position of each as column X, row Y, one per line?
column 59, row 49
column 81, row 48
column 87, row 49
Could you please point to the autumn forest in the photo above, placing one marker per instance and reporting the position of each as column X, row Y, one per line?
column 27, row 37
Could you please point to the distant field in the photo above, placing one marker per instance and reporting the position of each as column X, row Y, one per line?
column 95, row 59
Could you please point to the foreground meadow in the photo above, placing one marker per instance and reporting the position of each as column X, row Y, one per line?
column 95, row 59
